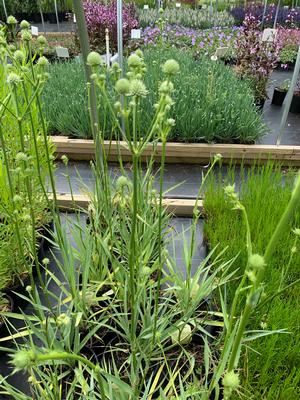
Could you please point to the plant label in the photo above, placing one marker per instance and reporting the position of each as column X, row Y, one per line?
column 221, row 51
column 114, row 58
column 204, row 7
column 74, row 18
column 178, row 5
column 269, row 35
column 146, row 7
column 135, row 33
column 35, row 31
column 62, row 52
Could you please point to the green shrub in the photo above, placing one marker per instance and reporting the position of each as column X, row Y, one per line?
column 211, row 103
column 271, row 368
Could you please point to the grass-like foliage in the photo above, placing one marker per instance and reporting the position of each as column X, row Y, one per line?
column 211, row 104
column 271, row 364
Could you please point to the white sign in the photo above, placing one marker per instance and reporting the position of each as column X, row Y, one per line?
column 146, row 7
column 221, row 52
column 62, row 52
column 114, row 58
column 74, row 18
column 269, row 35
column 135, row 33
column 35, row 31
column 178, row 5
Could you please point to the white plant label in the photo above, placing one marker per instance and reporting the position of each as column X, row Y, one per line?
column 269, row 35
column 221, row 52
column 62, row 52
column 114, row 58
column 74, row 18
column 178, row 5
column 35, row 31
column 146, row 7
column 135, row 33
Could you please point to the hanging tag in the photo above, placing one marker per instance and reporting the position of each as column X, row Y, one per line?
column 135, row 33
column 146, row 7
column 35, row 31
column 62, row 52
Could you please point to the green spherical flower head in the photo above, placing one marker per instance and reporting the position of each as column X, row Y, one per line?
column 23, row 359
column 139, row 53
column 115, row 67
column 256, row 261
column 26, row 35
column 122, row 182
column 13, row 78
column 231, row 380
column 43, row 62
column 171, row 67
column 166, row 87
column 134, row 61
column 94, row 59
column 24, row 24
column 123, row 86
column 11, row 20
column 42, row 41
column 161, row 10
column 19, row 56
column 182, row 335
column 138, row 88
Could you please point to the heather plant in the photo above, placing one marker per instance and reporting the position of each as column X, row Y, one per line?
column 100, row 16
column 256, row 59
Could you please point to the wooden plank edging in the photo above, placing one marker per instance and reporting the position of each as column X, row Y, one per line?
column 185, row 153
column 177, row 207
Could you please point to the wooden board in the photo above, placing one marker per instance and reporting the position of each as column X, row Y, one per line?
column 185, row 153
column 178, row 207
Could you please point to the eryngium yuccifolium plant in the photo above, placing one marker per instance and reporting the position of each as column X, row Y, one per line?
column 25, row 154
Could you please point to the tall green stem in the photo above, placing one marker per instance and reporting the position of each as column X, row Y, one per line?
column 271, row 247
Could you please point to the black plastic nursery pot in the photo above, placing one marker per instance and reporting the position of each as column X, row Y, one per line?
column 52, row 17
column 278, row 96
column 295, row 104
column 260, row 104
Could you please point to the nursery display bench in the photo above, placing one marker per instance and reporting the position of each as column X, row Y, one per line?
column 185, row 153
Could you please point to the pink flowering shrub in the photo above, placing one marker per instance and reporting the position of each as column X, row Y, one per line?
column 255, row 59
column 100, row 17
column 288, row 41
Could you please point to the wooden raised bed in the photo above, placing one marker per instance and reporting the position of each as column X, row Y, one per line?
column 178, row 207
column 185, row 153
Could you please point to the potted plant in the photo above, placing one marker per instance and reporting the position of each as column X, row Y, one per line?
column 256, row 59
column 287, row 57
column 295, row 105
column 280, row 92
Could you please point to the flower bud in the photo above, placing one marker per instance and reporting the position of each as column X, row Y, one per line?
column 122, row 182
column 123, row 86
column 134, row 61
column 256, row 261
column 231, row 380
column 13, row 78
column 42, row 41
column 19, row 56
column 21, row 157
column 24, row 24
column 43, row 62
column 26, row 35
column 23, row 359
column 138, row 88
column 11, row 20
column 171, row 67
column 94, row 59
